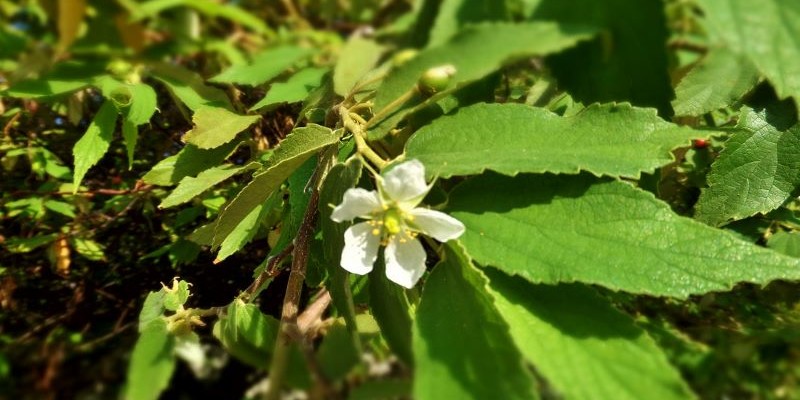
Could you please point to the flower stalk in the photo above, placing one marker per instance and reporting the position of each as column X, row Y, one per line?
column 359, row 134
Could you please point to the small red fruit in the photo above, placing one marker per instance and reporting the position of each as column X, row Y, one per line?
column 700, row 143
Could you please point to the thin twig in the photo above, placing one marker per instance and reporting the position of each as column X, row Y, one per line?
column 270, row 270
column 683, row 44
column 87, row 193
column 94, row 342
column 7, row 128
column 309, row 318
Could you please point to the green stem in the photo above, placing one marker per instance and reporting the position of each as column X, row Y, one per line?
column 389, row 108
column 358, row 134
column 360, row 85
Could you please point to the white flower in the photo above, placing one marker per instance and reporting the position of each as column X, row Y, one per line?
column 393, row 220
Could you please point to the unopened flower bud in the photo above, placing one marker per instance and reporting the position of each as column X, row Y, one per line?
column 436, row 79
column 403, row 56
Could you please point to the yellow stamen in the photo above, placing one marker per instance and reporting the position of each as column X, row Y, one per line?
column 393, row 222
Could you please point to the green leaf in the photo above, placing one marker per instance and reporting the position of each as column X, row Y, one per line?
column 152, row 309
column 295, row 89
column 290, row 153
column 190, row 187
column 756, row 172
column 553, row 229
column 89, row 249
column 189, row 87
column 65, row 209
column 52, row 164
column 336, row 354
column 26, row 245
column 152, row 362
column 765, row 31
column 340, row 178
column 454, row 15
column 393, row 388
column 583, row 346
column 207, row 7
column 785, row 243
column 247, row 229
column 476, row 52
column 142, row 104
column 215, row 126
column 358, row 56
column 292, row 217
column 611, row 139
column 392, row 309
column 113, row 89
column 45, row 88
column 190, row 161
column 95, row 142
column 12, row 42
column 176, row 296
column 626, row 62
column 130, row 133
column 247, row 334
column 462, row 346
column 265, row 66
column 720, row 79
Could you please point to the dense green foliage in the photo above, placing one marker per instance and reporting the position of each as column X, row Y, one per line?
column 592, row 199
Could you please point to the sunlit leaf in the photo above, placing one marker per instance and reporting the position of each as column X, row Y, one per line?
column 462, row 345
column 190, row 161
column 191, row 187
column 95, row 142
column 89, row 249
column 758, row 170
column 215, row 126
column 264, row 67
column 552, row 229
column 152, row 362
column 765, row 31
column 291, row 153
column 475, row 52
column 295, row 89
column 584, row 347
column 718, row 80
column 356, row 58
column 611, row 139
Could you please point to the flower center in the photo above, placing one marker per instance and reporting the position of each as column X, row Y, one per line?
column 393, row 221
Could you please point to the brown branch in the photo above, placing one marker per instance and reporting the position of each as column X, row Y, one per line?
column 289, row 330
column 88, row 193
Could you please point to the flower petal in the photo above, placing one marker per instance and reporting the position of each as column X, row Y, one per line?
column 406, row 182
column 360, row 248
column 405, row 261
column 357, row 202
column 437, row 225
